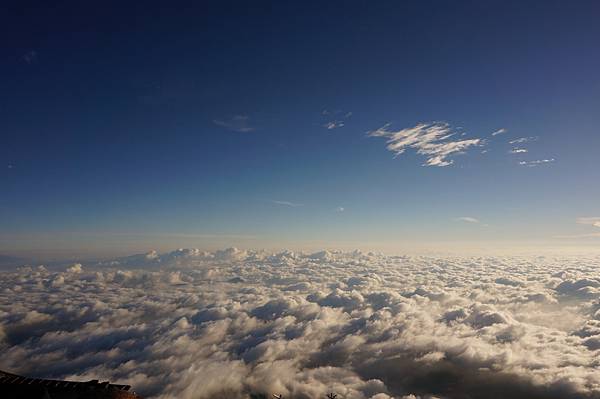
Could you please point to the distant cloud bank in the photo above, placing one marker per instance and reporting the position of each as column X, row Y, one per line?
column 234, row 323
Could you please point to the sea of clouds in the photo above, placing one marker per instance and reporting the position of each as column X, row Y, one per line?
column 193, row 324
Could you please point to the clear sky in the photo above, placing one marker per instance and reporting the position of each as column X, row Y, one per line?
column 304, row 125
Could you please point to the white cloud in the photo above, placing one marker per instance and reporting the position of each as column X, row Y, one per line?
column 536, row 162
column 522, row 140
column 434, row 140
column 338, row 122
column 517, row 150
column 499, row 131
column 467, row 219
column 333, row 125
column 75, row 268
column 593, row 221
column 340, row 209
column 196, row 324
column 287, row 203
column 238, row 123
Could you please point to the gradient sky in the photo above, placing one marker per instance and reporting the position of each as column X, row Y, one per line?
column 252, row 124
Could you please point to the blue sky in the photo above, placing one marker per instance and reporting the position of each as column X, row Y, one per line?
column 138, row 127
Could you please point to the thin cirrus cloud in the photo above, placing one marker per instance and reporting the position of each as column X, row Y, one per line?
column 434, row 140
column 238, row 123
column 518, row 150
column 467, row 219
column 522, row 140
column 338, row 121
column 499, row 131
column 30, row 57
column 333, row 125
column 286, row 203
column 536, row 162
column 592, row 221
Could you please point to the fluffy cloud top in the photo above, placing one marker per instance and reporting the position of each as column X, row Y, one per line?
column 434, row 140
column 195, row 324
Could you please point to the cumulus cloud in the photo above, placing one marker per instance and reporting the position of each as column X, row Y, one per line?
column 499, row 131
column 242, row 324
column 434, row 140
column 75, row 268
column 238, row 123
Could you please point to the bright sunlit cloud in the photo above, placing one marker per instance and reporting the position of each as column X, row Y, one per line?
column 434, row 140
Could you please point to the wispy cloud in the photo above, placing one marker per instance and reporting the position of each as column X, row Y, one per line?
column 499, row 131
column 536, row 162
column 238, row 123
column 467, row 219
column 585, row 235
column 522, row 140
column 518, row 150
column 30, row 57
column 286, row 203
column 340, row 209
column 434, row 140
column 333, row 125
column 593, row 221
column 336, row 123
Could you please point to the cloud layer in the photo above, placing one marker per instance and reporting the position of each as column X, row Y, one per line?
column 434, row 140
column 195, row 324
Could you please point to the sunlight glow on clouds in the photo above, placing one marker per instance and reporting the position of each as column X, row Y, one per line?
column 434, row 140
column 195, row 324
